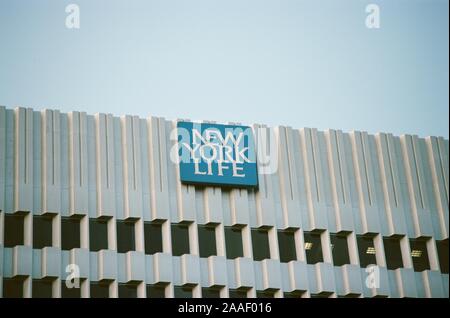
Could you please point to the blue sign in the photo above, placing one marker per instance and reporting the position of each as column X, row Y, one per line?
column 215, row 154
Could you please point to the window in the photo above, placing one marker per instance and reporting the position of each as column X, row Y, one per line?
column 419, row 255
column 156, row 291
column 14, row 230
column 313, row 247
column 260, row 243
column 183, row 292
column 321, row 295
column 100, row 289
column 393, row 252
column 366, row 251
column 294, row 294
column 339, row 248
column 70, row 292
column 180, row 239
column 442, row 248
column 265, row 294
column 70, row 233
column 153, row 238
column 125, row 236
column 207, row 240
column 237, row 293
column 42, row 288
column 349, row 296
column 286, row 244
column 211, row 292
column 233, row 242
column 13, row 287
column 127, row 291
column 42, row 231
column 98, row 234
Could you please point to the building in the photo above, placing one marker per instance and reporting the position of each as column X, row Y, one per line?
column 101, row 193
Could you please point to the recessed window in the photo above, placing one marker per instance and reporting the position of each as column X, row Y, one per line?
column 442, row 248
column 237, row 293
column 393, row 252
column 98, row 234
column 14, row 230
column 153, row 238
column 125, row 236
column 182, row 292
column 265, row 294
column 42, row 288
column 127, row 291
column 366, row 251
column 233, row 242
column 156, row 290
column 180, row 239
column 13, row 287
column 70, row 233
column 42, row 231
column 286, row 244
column 100, row 289
column 260, row 243
column 207, row 240
column 313, row 247
column 419, row 255
column 349, row 296
column 70, row 292
column 210, row 292
column 339, row 248
column 294, row 294
column 321, row 295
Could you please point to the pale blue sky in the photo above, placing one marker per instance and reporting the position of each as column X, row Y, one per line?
column 290, row 62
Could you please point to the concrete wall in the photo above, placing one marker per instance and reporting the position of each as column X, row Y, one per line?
column 119, row 168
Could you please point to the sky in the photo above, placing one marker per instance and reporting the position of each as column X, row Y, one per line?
column 277, row 62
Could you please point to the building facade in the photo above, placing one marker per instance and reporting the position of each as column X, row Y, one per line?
column 93, row 206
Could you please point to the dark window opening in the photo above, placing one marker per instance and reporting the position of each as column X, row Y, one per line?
column 127, row 291
column 207, row 240
column 339, row 248
column 366, row 251
column 42, row 231
column 313, row 247
column 349, row 296
column 237, row 293
column 42, row 288
column 419, row 255
column 125, row 236
column 442, row 249
column 294, row 294
column 211, row 292
column 321, row 295
column 180, row 239
column 13, row 226
column 153, row 238
column 156, row 290
column 233, row 242
column 182, row 292
column 286, row 244
column 260, row 243
column 98, row 234
column 70, row 233
column 100, row 289
column 13, row 287
column 265, row 294
column 393, row 252
column 70, row 292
